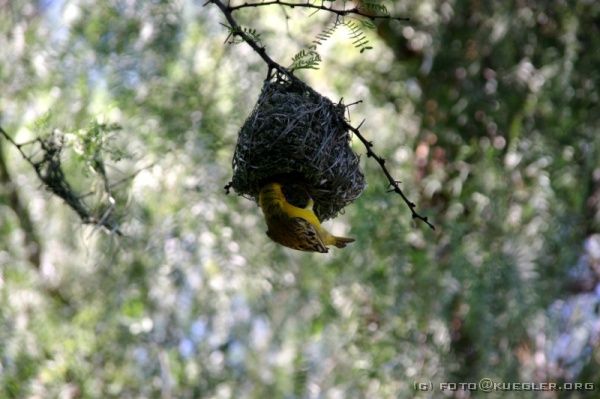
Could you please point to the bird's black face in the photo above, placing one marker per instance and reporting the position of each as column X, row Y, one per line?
column 296, row 194
column 294, row 187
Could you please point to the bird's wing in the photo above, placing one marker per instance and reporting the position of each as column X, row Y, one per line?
column 309, row 239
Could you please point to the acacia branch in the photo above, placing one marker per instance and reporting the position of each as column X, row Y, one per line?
column 393, row 183
column 343, row 12
column 236, row 30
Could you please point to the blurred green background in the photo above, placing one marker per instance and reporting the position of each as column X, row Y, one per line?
column 487, row 111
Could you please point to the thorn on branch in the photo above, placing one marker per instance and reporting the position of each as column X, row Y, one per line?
column 354, row 103
column 317, row 7
column 392, row 182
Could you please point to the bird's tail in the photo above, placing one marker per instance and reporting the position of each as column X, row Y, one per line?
column 341, row 242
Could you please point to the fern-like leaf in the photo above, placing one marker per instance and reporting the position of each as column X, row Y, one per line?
column 373, row 7
column 306, row 59
column 326, row 33
column 367, row 24
column 234, row 36
column 358, row 36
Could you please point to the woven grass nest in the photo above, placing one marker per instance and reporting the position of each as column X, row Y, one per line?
column 295, row 134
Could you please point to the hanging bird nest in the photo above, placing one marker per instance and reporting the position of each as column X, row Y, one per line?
column 294, row 134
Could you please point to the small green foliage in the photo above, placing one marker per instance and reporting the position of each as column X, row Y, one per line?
column 309, row 58
column 306, row 59
column 253, row 34
column 42, row 122
column 357, row 35
column 93, row 143
column 373, row 7
column 366, row 23
column 326, row 33
column 235, row 34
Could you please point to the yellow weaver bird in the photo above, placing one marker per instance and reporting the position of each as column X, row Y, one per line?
column 292, row 226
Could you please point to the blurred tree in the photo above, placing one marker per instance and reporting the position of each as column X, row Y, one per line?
column 508, row 154
column 487, row 111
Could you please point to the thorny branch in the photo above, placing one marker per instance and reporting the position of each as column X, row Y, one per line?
column 340, row 12
column 236, row 30
column 393, row 183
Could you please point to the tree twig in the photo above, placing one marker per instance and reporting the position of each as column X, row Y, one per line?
column 238, row 31
column 340, row 12
column 393, row 183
